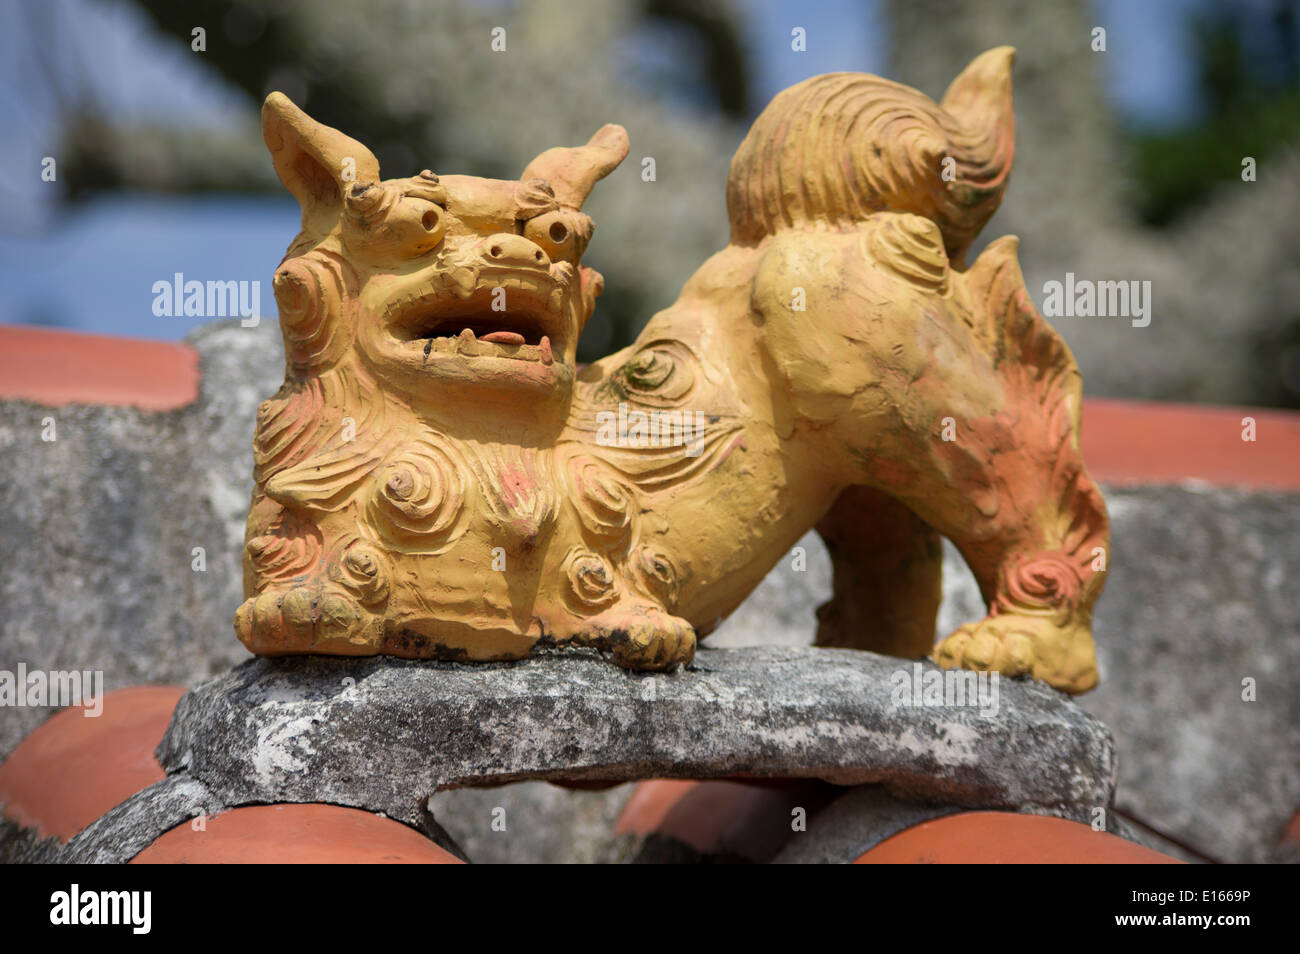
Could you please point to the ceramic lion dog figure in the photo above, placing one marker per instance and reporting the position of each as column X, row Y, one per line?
column 437, row 478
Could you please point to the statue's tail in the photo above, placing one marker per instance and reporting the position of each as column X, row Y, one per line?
column 843, row 146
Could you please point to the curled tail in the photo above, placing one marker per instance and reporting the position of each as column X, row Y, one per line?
column 843, row 146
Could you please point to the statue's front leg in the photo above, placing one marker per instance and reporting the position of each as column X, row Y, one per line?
column 639, row 635
column 305, row 598
column 624, row 611
column 307, row 617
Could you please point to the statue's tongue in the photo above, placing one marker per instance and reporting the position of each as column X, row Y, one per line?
column 504, row 337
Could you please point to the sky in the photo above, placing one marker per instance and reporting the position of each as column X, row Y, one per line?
column 57, row 265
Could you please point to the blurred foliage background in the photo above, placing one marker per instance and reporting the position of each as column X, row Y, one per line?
column 1099, row 190
column 1246, row 59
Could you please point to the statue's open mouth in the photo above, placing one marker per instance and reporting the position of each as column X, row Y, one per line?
column 524, row 318
column 498, row 335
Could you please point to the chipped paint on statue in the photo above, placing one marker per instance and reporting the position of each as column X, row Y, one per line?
column 436, row 479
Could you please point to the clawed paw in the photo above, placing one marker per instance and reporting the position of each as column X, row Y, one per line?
column 646, row 638
column 307, row 618
column 1012, row 644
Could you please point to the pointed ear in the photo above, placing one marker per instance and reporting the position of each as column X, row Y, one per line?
column 315, row 162
column 573, row 172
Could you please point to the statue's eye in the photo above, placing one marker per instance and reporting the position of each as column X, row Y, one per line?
column 561, row 233
column 432, row 219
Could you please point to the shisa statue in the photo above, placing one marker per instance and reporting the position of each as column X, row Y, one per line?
column 437, row 478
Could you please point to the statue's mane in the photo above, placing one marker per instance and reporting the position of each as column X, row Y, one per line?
column 328, row 425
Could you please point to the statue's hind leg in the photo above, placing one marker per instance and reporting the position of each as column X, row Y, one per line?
column 974, row 426
column 887, row 572
column 1040, row 594
column 886, row 575
column 1011, row 492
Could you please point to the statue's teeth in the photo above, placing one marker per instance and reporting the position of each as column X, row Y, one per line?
column 544, row 346
column 462, row 282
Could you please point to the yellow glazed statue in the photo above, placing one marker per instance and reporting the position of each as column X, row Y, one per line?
column 437, row 478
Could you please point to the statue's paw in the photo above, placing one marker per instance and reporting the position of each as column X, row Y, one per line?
column 1011, row 644
column 650, row 639
column 307, row 618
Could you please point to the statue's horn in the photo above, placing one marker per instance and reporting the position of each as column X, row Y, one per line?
column 573, row 172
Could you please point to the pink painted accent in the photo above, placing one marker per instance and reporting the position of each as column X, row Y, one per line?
column 737, row 442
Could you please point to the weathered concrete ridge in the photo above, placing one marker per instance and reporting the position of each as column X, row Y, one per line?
column 385, row 734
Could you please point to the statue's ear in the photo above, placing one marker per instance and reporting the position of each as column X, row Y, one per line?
column 317, row 163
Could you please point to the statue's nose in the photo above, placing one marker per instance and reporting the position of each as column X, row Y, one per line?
column 515, row 251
